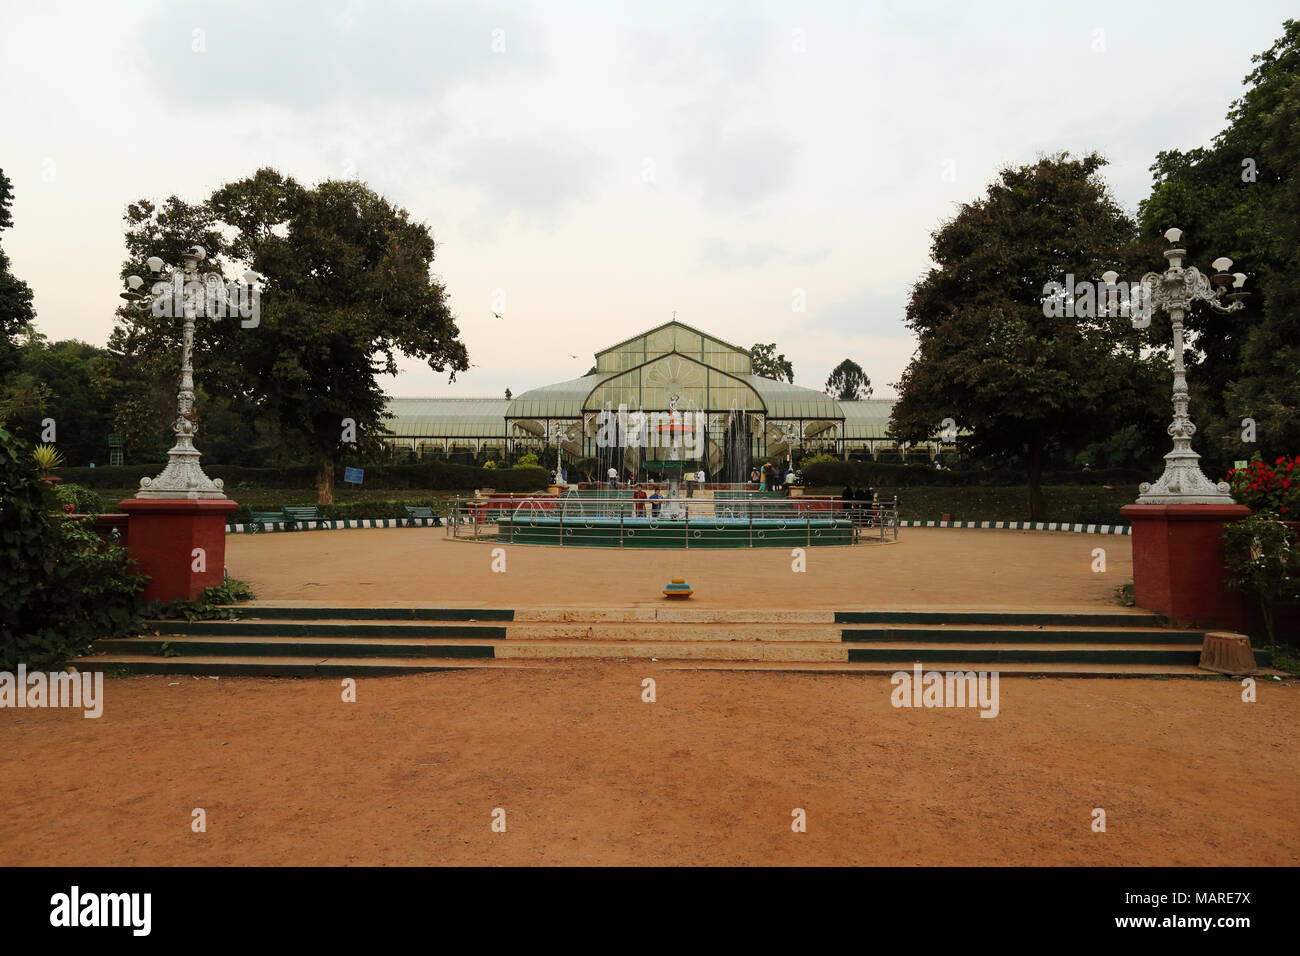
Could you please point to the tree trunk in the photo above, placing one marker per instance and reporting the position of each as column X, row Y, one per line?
column 1037, row 504
column 324, row 479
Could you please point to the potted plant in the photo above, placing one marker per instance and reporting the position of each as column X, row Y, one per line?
column 47, row 459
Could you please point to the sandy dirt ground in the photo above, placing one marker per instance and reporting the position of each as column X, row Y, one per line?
column 927, row 567
column 588, row 773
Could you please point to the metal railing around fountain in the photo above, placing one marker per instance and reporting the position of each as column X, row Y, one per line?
column 614, row 518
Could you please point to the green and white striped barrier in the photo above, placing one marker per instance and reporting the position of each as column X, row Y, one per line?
column 1025, row 526
column 338, row 523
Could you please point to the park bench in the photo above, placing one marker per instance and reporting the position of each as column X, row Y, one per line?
column 258, row 520
column 420, row 511
column 305, row 515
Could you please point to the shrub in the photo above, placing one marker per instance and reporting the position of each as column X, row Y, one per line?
column 212, row 604
column 826, row 470
column 344, row 510
column 427, row 474
column 1262, row 556
column 527, row 461
column 83, row 500
column 61, row 586
column 1263, row 487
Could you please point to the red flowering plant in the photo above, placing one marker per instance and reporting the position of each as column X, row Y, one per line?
column 1264, row 487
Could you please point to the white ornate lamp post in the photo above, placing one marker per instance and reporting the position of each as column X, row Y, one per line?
column 1174, row 290
column 182, row 478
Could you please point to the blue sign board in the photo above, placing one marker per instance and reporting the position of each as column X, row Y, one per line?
column 353, row 475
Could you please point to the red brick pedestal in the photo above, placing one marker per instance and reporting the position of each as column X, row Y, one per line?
column 163, row 536
column 1178, row 566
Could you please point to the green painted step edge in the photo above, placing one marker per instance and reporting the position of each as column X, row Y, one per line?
column 1107, row 655
column 245, row 628
column 377, row 613
column 162, row 665
column 298, row 649
column 895, row 635
column 1085, row 619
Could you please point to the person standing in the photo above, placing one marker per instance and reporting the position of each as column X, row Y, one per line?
column 638, row 501
column 753, row 476
column 613, row 479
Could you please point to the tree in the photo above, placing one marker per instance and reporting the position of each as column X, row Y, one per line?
column 1268, row 378
column 989, row 360
column 60, row 382
column 346, row 287
column 16, row 312
column 1238, row 197
column 508, row 395
column 848, row 383
column 767, row 364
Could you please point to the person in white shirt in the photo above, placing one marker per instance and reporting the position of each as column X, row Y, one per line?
column 613, row 478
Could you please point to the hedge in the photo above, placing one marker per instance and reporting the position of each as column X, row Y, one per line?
column 425, row 475
column 349, row 510
column 859, row 473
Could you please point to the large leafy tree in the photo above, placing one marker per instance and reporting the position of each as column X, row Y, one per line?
column 766, row 363
column 848, row 383
column 1238, row 197
column 989, row 359
column 16, row 312
column 347, row 286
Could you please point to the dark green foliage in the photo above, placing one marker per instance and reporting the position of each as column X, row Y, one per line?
column 83, row 500
column 211, row 605
column 766, row 363
column 348, row 288
column 848, row 383
column 988, row 357
column 63, row 381
column 61, row 586
column 342, row 510
column 16, row 312
column 1262, row 557
column 836, row 473
column 434, row 475
column 1246, row 364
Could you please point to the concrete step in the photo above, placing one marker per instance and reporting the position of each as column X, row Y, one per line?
column 304, row 612
column 673, row 650
column 670, row 614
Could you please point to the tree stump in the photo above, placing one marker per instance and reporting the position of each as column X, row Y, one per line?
column 1227, row 653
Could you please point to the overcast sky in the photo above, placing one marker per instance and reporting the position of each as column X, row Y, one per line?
column 602, row 164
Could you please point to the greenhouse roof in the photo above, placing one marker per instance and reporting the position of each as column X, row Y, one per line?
column 561, row 400
column 448, row 417
column 784, row 400
column 867, row 420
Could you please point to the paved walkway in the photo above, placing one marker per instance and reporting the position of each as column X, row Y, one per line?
column 925, row 568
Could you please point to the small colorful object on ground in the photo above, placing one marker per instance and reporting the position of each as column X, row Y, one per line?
column 678, row 588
